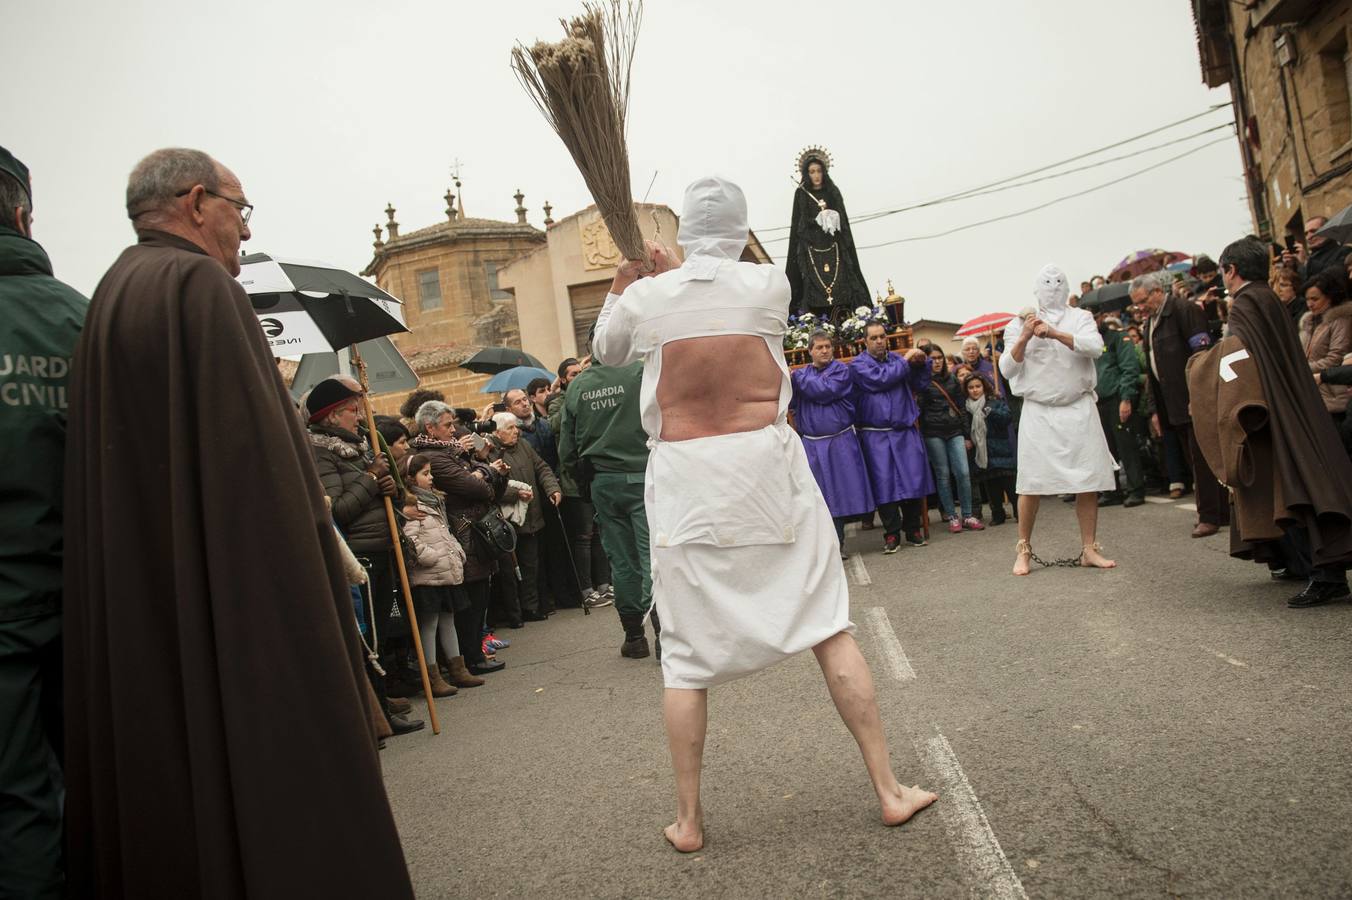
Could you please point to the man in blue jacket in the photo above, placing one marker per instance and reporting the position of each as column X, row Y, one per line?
column 40, row 320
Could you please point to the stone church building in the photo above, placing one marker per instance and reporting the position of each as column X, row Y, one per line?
column 469, row 283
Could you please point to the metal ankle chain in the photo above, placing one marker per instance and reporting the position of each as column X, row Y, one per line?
column 1070, row 562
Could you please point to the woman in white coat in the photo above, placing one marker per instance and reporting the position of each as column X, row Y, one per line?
column 1062, row 450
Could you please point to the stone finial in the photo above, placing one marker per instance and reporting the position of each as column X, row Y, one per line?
column 393, row 226
column 450, row 206
column 520, row 210
column 379, row 243
column 549, row 214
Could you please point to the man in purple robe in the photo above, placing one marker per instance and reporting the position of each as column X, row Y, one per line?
column 885, row 385
column 823, row 413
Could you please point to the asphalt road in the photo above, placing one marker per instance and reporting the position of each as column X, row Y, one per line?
column 1167, row 728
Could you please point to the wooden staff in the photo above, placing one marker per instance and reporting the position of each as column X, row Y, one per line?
column 995, row 364
column 398, row 547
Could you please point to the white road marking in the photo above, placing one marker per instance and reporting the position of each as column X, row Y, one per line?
column 897, row 663
column 1190, row 507
column 858, row 571
column 968, row 826
column 1158, row 500
column 1227, row 657
column 988, row 871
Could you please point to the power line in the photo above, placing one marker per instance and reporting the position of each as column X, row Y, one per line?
column 1019, row 184
column 960, row 194
column 1054, row 175
column 1040, row 206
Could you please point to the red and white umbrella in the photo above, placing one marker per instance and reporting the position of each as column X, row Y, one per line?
column 984, row 324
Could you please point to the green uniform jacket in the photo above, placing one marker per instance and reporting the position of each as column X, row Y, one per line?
column 1119, row 368
column 555, row 408
column 601, row 420
column 40, row 321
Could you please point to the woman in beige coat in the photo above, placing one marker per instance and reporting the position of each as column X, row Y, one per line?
column 1326, row 333
column 437, row 566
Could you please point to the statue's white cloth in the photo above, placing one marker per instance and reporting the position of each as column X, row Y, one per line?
column 1062, row 448
column 746, row 566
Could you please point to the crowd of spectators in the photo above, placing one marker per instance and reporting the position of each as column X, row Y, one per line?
column 969, row 418
column 495, row 534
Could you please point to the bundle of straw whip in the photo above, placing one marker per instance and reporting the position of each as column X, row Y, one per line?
column 581, row 84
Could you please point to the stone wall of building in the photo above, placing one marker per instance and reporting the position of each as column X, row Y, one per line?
column 1300, row 133
column 462, row 268
column 460, row 386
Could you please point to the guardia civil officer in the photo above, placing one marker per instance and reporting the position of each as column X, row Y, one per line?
column 40, row 320
column 605, row 449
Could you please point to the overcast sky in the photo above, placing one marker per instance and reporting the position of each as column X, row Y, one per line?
column 328, row 110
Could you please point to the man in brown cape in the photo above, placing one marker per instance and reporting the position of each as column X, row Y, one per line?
column 1310, row 478
column 217, row 735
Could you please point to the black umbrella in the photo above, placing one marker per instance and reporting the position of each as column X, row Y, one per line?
column 1108, row 299
column 492, row 360
column 1338, row 228
column 307, row 307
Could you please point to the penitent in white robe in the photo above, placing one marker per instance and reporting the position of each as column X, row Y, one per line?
column 1062, row 448
column 745, row 563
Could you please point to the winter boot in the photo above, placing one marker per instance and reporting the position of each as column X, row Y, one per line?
column 460, row 675
column 657, row 634
column 379, row 723
column 440, row 687
column 635, row 644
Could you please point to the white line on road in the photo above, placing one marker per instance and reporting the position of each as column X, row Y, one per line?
column 897, row 662
column 858, row 571
column 988, row 870
column 1190, row 507
column 967, row 824
column 1158, row 500
column 1227, row 657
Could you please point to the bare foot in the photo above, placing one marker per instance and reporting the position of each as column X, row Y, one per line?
column 687, row 838
column 906, row 802
column 1023, row 558
column 1093, row 558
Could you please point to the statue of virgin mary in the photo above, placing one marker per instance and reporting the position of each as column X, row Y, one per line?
column 822, row 265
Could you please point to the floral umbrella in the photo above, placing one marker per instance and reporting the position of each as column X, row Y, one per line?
column 1152, row 259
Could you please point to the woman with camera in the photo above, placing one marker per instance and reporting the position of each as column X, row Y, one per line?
column 472, row 490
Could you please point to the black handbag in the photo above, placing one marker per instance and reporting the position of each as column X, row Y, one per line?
column 495, row 531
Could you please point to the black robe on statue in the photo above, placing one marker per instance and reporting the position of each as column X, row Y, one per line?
column 218, row 742
column 817, row 260
column 1310, row 468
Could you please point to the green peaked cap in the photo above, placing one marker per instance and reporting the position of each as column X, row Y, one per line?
column 11, row 166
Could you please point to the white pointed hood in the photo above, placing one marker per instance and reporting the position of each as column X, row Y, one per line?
column 1052, row 290
column 713, row 226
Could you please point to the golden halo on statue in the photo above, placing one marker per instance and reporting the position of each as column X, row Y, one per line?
column 815, row 150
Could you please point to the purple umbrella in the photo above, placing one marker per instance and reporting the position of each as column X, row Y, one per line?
column 1151, row 259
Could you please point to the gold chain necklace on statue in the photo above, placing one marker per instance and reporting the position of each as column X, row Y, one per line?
column 826, row 267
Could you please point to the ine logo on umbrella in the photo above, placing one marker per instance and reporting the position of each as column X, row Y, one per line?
column 272, row 327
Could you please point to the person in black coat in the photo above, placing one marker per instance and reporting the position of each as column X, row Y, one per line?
column 471, row 489
column 1175, row 331
column 944, row 426
column 991, row 459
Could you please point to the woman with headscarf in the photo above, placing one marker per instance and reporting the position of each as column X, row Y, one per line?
column 823, row 267
column 1062, row 450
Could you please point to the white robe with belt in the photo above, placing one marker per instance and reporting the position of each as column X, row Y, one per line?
column 745, row 562
column 1062, row 448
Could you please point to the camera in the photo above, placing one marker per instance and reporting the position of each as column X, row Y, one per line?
column 466, row 417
